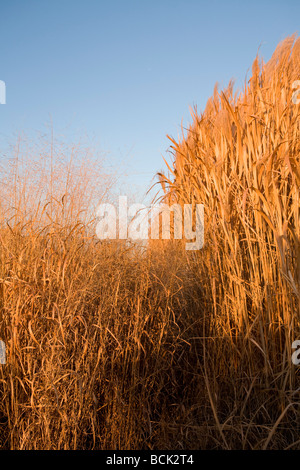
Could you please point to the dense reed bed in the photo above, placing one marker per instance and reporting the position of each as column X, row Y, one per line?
column 107, row 349
column 241, row 159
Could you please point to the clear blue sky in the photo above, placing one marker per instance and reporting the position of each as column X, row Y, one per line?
column 124, row 73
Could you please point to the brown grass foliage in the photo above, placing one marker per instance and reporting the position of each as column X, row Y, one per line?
column 170, row 350
column 241, row 159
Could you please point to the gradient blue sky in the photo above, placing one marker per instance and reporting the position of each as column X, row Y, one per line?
column 124, row 73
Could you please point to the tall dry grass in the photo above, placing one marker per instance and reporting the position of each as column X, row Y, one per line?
column 241, row 159
column 173, row 350
column 90, row 326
